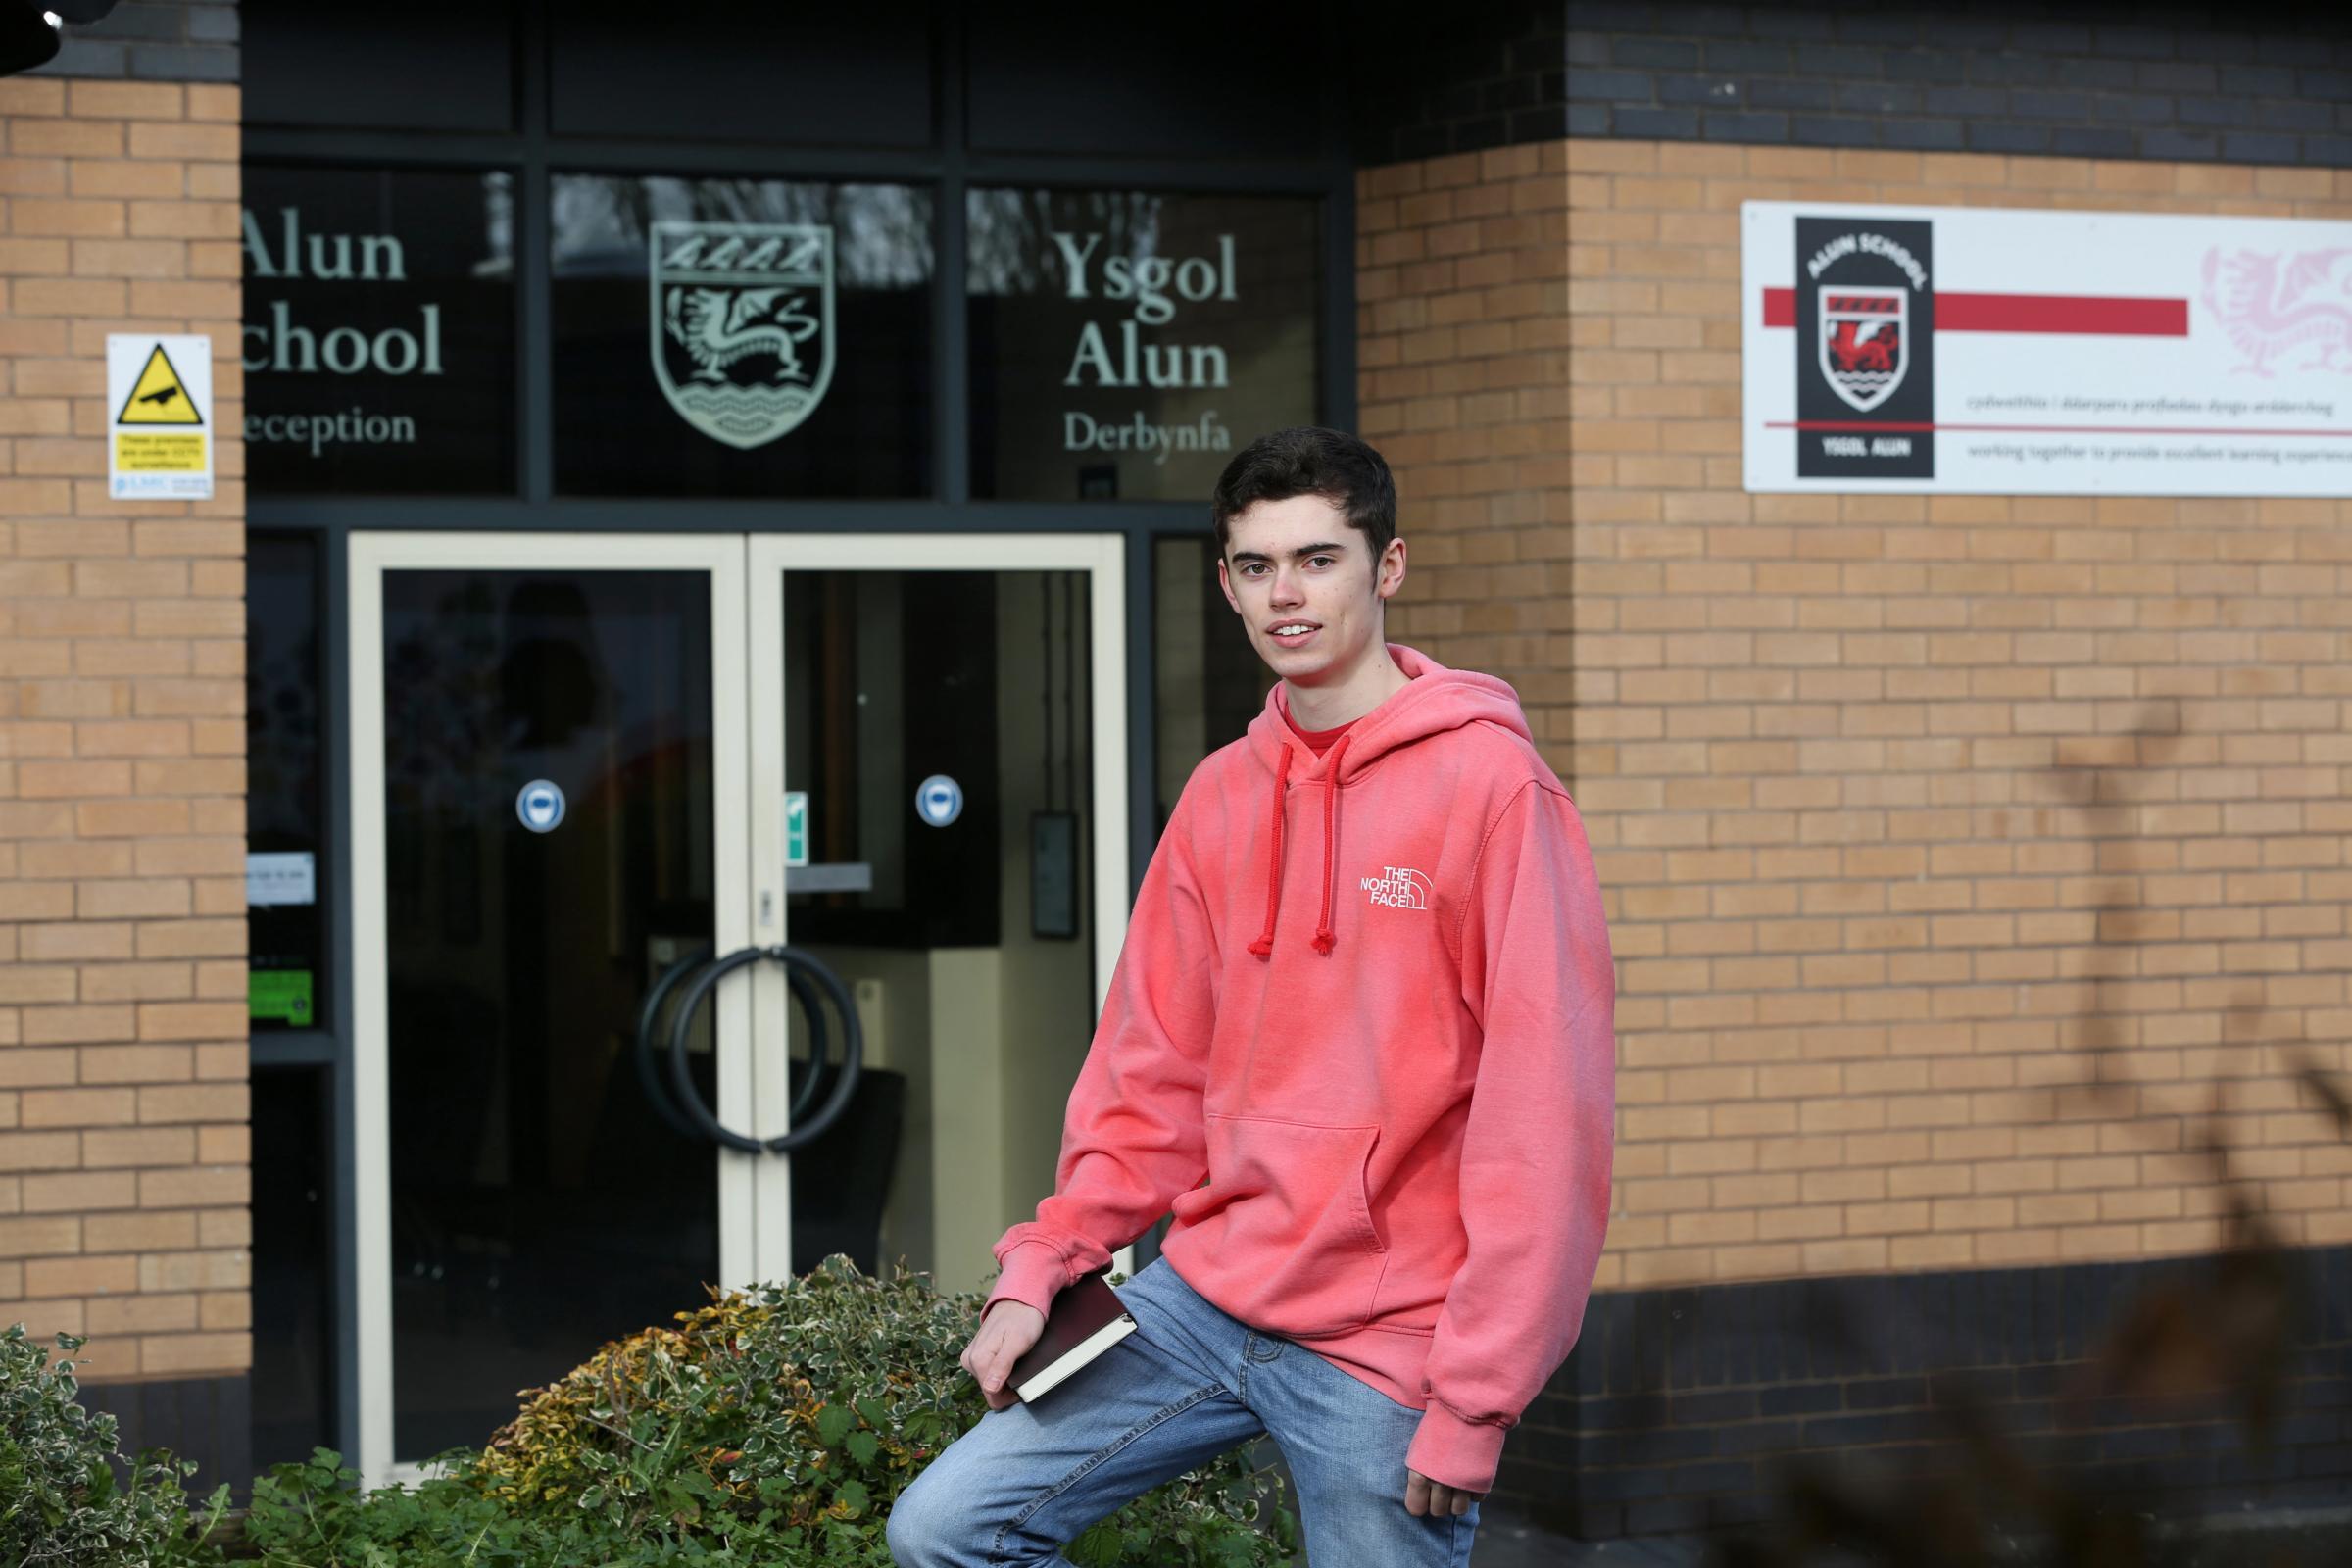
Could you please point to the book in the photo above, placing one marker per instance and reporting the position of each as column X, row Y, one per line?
column 1082, row 1321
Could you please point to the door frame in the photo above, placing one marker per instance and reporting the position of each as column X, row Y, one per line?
column 1103, row 559
column 747, row 651
column 372, row 555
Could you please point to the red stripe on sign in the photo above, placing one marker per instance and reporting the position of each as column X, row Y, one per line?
column 2088, row 315
column 2039, row 429
column 1903, row 428
column 2106, row 315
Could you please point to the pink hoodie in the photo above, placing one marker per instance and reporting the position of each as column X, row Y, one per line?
column 1370, row 999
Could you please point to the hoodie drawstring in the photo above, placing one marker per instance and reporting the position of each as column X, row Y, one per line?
column 1325, row 941
column 1324, row 938
column 1264, row 945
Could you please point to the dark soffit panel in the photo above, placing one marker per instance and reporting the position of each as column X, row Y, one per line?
column 422, row 65
column 857, row 77
column 1214, row 79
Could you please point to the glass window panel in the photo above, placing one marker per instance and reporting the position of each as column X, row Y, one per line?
column 540, row 1203
column 293, row 1380
column 740, row 337
column 1127, row 82
column 967, row 943
column 1209, row 682
column 616, row 68
column 1125, row 344
column 307, row 64
column 379, row 331
column 284, row 819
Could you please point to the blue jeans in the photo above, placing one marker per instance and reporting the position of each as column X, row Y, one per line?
column 1188, row 1385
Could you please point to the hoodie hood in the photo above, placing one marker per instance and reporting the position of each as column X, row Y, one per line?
column 1433, row 698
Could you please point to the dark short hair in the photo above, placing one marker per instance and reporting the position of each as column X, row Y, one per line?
column 1308, row 459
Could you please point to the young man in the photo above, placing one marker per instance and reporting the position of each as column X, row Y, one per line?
column 1360, row 1040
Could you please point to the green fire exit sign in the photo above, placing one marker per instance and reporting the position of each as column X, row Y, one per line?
column 796, row 827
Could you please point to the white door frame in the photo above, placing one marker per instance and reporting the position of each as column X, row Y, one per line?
column 747, row 684
column 371, row 555
column 1102, row 557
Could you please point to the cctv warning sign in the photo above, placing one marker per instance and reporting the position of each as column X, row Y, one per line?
column 158, row 396
column 159, row 447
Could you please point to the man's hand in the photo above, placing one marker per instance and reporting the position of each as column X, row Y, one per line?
column 1423, row 1496
column 1006, row 1336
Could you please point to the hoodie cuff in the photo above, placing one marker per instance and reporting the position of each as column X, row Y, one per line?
column 1033, row 1275
column 1454, row 1452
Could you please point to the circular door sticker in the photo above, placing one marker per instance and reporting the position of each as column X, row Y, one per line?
column 540, row 806
column 939, row 799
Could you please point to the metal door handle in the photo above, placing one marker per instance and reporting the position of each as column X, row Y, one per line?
column 683, row 1108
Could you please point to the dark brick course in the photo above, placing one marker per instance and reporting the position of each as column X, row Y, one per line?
column 1682, row 1408
column 1514, row 55
column 2008, row 76
column 152, row 40
column 209, row 1420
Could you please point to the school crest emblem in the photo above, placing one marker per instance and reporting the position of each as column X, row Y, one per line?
column 742, row 324
column 1862, row 334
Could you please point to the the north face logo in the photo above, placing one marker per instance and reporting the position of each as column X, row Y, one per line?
column 1398, row 888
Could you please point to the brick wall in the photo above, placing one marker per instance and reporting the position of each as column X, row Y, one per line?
column 122, row 1105
column 1958, row 850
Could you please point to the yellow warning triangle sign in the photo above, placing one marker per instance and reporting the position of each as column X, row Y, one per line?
column 159, row 397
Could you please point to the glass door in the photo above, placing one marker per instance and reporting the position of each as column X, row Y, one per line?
column 546, row 764
column 578, row 761
column 938, row 800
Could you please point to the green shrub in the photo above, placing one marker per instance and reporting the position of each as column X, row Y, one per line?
column 60, row 1498
column 312, row 1515
column 775, row 1426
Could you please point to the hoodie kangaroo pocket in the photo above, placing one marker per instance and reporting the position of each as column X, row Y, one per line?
column 1285, row 1224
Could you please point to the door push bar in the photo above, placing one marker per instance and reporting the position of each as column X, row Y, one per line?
column 681, row 1105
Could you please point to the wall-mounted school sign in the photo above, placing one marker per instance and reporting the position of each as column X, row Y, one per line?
column 1997, row 351
column 742, row 324
column 159, row 397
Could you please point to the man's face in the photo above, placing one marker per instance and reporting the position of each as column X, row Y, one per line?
column 1303, row 582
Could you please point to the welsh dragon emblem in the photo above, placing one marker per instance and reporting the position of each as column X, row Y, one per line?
column 742, row 324
column 2268, row 304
